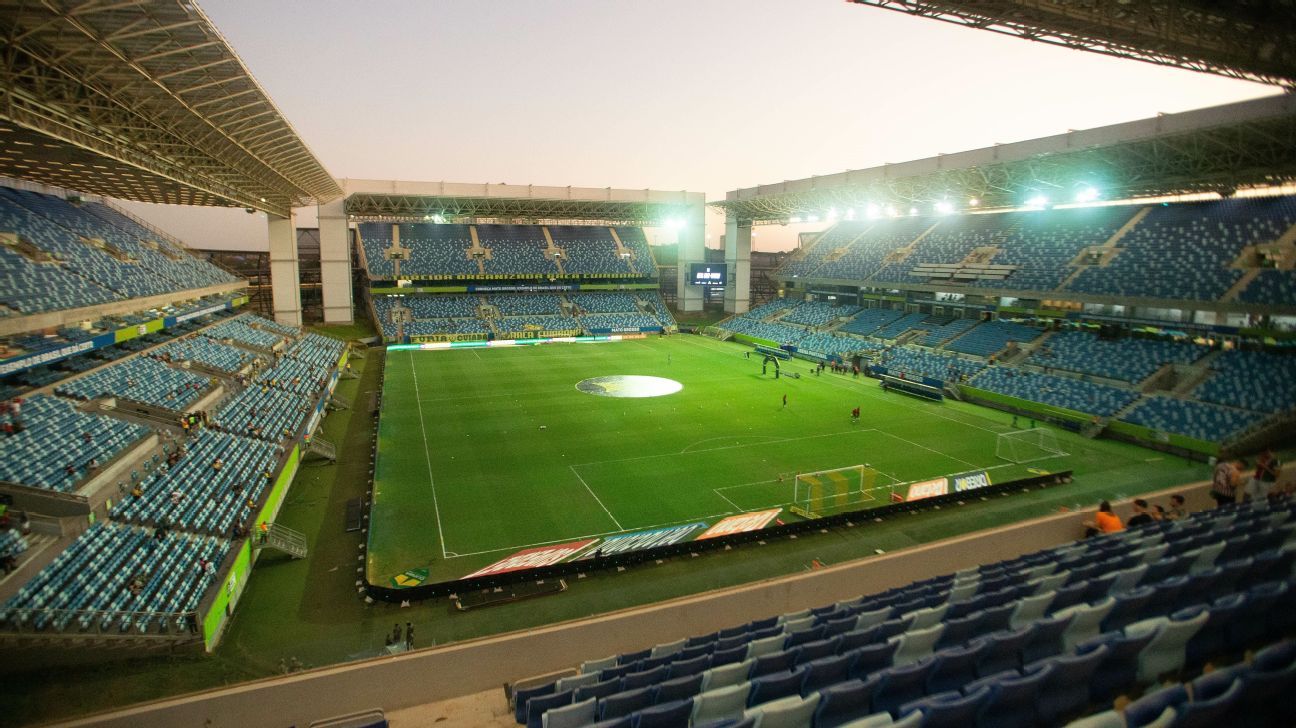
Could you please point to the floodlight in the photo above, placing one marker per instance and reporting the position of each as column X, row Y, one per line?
column 974, row 202
column 674, row 223
column 832, row 213
column 850, row 214
column 913, row 211
column 944, row 207
column 794, row 218
column 813, row 218
column 891, row 211
column 1086, row 194
column 872, row 211
column 1038, row 201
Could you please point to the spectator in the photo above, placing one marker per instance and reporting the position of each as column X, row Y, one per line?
column 1224, row 482
column 1266, row 474
column 1176, row 511
column 1104, row 521
column 1141, row 515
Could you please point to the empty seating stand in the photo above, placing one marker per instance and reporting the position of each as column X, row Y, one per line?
column 959, row 650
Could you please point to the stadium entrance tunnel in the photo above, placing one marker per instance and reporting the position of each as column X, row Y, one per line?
column 629, row 385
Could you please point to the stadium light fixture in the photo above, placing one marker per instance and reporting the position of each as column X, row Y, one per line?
column 812, row 218
column 974, row 202
column 794, row 218
column 1086, row 194
column 891, row 211
column 913, row 211
column 1038, row 202
column 944, row 207
column 832, row 213
column 850, row 213
column 873, row 211
column 674, row 223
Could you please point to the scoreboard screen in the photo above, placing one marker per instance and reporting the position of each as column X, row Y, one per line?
column 708, row 274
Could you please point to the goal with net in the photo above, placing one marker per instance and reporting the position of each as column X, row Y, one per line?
column 825, row 492
column 1025, row 446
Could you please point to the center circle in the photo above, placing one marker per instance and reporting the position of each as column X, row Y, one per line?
column 629, row 385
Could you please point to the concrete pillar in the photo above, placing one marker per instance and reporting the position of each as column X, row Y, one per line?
column 738, row 257
column 692, row 249
column 285, row 279
column 335, row 263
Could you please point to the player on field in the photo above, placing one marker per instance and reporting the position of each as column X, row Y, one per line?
column 784, row 401
column 855, row 414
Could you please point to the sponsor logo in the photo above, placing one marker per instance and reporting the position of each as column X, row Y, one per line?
column 410, row 578
column 202, row 312
column 534, row 558
column 644, row 540
column 927, row 489
column 971, row 481
column 48, row 356
column 741, row 523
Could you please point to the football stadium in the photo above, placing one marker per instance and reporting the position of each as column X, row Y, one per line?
column 987, row 438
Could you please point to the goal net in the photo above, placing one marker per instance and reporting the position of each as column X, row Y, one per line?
column 1025, row 446
column 825, row 492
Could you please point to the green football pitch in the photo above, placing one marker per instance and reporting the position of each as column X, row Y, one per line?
column 485, row 452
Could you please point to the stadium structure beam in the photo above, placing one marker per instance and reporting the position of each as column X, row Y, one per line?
column 153, row 89
column 737, row 293
column 409, row 201
column 1218, row 149
column 691, row 247
column 335, row 263
column 285, row 275
column 1253, row 40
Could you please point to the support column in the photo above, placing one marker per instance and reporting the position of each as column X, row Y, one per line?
column 692, row 249
column 285, row 279
column 738, row 257
column 335, row 263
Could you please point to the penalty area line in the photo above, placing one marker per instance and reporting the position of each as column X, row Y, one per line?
column 596, row 498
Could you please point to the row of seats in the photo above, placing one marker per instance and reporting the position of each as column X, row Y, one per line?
column 1127, row 359
column 1176, row 251
column 88, row 587
column 439, row 249
column 939, row 332
column 86, row 254
column 458, row 314
column 1256, row 380
column 913, row 361
column 264, row 412
column 57, row 443
column 992, row 337
column 239, row 329
column 1066, row 392
column 197, row 496
column 141, row 379
column 1097, row 619
column 209, row 352
column 1244, row 694
column 1201, row 420
column 815, row 313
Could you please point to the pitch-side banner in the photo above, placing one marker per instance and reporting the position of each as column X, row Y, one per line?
column 927, row 489
column 643, row 540
column 741, row 523
column 971, row 481
column 533, row 558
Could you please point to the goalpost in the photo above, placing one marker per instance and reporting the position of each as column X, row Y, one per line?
column 823, row 492
column 1026, row 446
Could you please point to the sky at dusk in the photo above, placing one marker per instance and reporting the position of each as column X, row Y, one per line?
column 703, row 95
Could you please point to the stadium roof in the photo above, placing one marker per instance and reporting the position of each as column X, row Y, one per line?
column 144, row 101
column 1218, row 149
column 1250, row 39
column 460, row 202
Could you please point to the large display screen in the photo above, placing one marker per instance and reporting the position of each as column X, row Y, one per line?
column 708, row 274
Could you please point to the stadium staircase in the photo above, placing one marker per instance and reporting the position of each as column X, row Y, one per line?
column 900, row 255
column 553, row 252
column 624, row 253
column 1236, row 289
column 480, row 254
column 322, row 448
column 1108, row 249
column 1196, row 373
column 338, row 403
column 284, row 539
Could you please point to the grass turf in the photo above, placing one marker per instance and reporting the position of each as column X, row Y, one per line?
column 486, row 452
column 309, row 610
